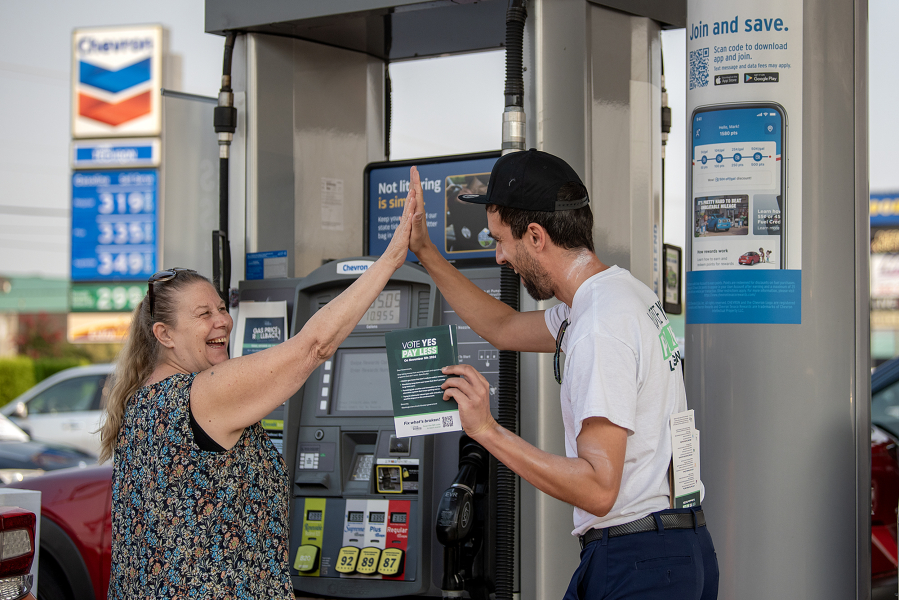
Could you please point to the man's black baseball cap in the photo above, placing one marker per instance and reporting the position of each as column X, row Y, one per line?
column 529, row 181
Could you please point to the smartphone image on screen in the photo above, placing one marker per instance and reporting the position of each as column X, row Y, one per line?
column 738, row 186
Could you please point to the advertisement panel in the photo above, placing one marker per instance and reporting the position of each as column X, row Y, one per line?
column 744, row 174
column 884, row 207
column 97, row 328
column 116, row 81
column 114, row 225
column 459, row 229
column 884, row 262
column 118, row 153
column 88, row 297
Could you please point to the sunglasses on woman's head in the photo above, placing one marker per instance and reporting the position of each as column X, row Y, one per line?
column 159, row 277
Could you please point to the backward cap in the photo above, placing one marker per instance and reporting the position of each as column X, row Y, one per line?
column 529, row 181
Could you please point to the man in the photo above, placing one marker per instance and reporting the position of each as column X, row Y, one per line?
column 621, row 382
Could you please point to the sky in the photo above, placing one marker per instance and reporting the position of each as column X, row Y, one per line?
column 35, row 82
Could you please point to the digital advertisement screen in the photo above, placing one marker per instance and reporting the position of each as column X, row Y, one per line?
column 363, row 382
column 738, row 202
column 458, row 229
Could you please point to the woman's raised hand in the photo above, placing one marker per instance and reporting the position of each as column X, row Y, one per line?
column 399, row 244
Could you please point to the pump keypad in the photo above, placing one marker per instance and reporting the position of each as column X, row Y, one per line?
column 391, row 562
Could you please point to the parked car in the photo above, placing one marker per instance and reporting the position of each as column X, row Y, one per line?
column 22, row 458
column 750, row 258
column 64, row 408
column 884, row 470
column 76, row 526
column 17, row 528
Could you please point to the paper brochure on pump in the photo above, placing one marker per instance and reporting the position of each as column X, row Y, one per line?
column 260, row 325
column 686, row 484
column 415, row 358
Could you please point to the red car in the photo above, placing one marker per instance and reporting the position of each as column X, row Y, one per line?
column 17, row 527
column 750, row 258
column 884, row 500
column 76, row 525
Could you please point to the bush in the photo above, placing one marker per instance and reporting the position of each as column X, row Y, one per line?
column 45, row 367
column 16, row 377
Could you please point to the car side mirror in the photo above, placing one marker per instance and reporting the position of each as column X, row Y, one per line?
column 21, row 411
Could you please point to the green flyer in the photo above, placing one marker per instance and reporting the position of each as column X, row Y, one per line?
column 414, row 358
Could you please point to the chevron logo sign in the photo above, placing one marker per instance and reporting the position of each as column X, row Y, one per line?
column 116, row 81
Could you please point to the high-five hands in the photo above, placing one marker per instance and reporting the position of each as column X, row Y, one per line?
column 419, row 239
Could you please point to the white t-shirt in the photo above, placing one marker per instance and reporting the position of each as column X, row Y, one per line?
column 622, row 363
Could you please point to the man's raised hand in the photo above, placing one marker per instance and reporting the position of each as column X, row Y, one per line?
column 419, row 240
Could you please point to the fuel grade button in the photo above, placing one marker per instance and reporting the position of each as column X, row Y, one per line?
column 391, row 562
column 347, row 559
column 368, row 561
column 306, row 560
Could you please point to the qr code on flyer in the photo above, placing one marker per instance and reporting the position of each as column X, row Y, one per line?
column 699, row 68
column 448, row 421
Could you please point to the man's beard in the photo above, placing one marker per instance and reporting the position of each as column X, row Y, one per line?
column 535, row 278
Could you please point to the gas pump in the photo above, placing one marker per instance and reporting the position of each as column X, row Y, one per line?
column 361, row 510
column 307, row 63
column 374, row 515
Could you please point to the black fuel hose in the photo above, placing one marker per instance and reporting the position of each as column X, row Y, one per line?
column 513, row 114
column 506, row 479
column 516, row 15
column 225, row 123
column 508, row 389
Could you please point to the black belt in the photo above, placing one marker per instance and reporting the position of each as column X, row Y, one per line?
column 648, row 523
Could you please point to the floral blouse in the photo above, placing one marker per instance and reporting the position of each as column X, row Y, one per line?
column 187, row 523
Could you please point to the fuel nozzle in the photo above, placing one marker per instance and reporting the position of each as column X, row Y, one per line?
column 455, row 515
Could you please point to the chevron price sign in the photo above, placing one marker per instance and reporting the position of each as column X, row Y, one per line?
column 116, row 76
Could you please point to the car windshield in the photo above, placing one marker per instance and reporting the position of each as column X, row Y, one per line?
column 10, row 433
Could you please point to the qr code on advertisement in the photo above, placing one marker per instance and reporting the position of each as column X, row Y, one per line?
column 699, row 68
column 448, row 421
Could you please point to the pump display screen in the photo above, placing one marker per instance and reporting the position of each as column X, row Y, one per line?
column 397, row 517
column 376, row 517
column 385, row 310
column 363, row 383
column 739, row 194
column 314, row 515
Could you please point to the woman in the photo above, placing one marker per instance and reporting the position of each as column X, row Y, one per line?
column 199, row 493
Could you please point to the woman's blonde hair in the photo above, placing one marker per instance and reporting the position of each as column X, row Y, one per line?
column 140, row 354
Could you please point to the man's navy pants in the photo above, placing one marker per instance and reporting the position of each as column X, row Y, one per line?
column 673, row 564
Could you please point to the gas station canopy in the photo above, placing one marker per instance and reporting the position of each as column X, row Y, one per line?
column 398, row 29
